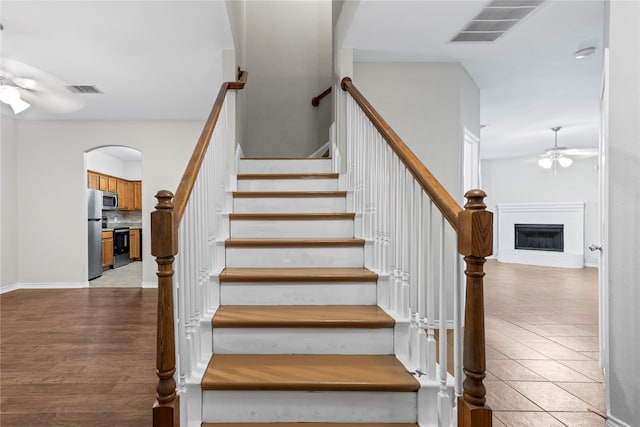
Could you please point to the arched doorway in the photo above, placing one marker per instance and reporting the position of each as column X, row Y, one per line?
column 114, row 216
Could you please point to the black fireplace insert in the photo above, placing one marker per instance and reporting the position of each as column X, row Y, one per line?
column 540, row 237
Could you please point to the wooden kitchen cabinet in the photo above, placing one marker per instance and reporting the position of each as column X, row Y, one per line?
column 136, row 191
column 112, row 184
column 107, row 249
column 103, row 182
column 94, row 180
column 134, row 244
column 122, row 188
column 129, row 192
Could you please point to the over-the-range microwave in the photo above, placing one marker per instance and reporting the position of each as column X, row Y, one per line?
column 109, row 201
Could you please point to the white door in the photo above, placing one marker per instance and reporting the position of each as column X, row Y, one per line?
column 471, row 162
column 601, row 246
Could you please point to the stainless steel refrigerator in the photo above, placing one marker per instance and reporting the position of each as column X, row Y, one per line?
column 94, row 232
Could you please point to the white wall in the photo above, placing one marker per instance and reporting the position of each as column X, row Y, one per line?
column 427, row 104
column 8, row 203
column 52, row 181
column 237, row 11
column 624, row 213
column 521, row 180
column 288, row 54
column 98, row 161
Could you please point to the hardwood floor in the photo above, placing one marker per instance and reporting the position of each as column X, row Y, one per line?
column 85, row 357
column 77, row 357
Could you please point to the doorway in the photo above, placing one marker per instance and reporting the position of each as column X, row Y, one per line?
column 114, row 173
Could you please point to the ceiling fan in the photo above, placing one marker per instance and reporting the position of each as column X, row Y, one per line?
column 23, row 85
column 555, row 156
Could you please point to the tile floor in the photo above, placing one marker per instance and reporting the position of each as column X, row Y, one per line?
column 127, row 276
column 542, row 346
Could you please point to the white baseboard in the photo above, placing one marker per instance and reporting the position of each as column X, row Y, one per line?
column 8, row 288
column 614, row 422
column 149, row 285
column 51, row 285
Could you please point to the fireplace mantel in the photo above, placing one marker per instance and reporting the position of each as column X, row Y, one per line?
column 570, row 214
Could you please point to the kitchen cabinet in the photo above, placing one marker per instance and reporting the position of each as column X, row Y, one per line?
column 107, row 249
column 134, row 244
column 129, row 192
column 136, row 187
column 122, row 188
column 94, row 180
column 112, row 184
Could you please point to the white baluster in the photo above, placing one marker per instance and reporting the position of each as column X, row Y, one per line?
column 422, row 282
column 444, row 402
column 431, row 342
column 413, row 274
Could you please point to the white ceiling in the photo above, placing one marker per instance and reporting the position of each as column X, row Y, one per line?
column 157, row 60
column 123, row 153
column 152, row 59
column 529, row 79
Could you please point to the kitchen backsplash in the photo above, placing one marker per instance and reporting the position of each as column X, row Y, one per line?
column 124, row 218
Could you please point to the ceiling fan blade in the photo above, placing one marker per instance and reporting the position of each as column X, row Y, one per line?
column 54, row 102
column 582, row 152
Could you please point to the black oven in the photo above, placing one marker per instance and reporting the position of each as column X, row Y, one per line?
column 120, row 246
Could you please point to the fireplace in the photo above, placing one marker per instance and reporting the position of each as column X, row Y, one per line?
column 544, row 233
column 539, row 237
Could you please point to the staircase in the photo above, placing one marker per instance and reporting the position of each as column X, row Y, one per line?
column 298, row 336
column 300, row 295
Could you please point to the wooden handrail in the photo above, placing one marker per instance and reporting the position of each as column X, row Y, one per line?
column 441, row 198
column 164, row 246
column 193, row 167
column 474, row 227
column 315, row 101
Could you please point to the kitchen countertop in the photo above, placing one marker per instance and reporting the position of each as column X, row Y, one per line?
column 132, row 226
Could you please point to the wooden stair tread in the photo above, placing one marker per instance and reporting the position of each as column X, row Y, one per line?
column 287, row 176
column 292, row 216
column 309, row 425
column 307, row 372
column 301, row 316
column 297, row 275
column 292, row 194
column 285, row 158
column 292, row 243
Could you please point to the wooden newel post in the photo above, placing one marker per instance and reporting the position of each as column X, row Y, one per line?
column 475, row 242
column 164, row 246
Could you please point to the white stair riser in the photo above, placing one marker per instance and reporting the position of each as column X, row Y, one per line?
column 302, row 341
column 292, row 228
column 328, row 184
column 285, row 166
column 289, row 204
column 322, row 293
column 305, row 257
column 294, row 406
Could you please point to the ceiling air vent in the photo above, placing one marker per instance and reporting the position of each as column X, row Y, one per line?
column 84, row 89
column 496, row 19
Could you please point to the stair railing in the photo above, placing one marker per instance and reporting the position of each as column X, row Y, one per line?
column 404, row 211
column 185, row 228
column 315, row 101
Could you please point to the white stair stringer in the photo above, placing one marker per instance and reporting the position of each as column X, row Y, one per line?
column 306, row 406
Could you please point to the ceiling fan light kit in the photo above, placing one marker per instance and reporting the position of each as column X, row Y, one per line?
column 10, row 95
column 554, row 156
